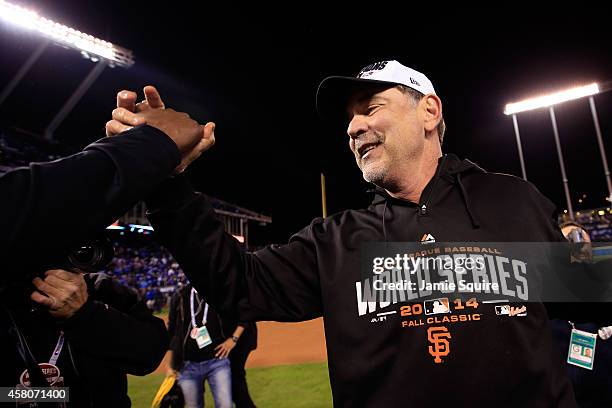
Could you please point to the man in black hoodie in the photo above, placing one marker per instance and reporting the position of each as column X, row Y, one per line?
column 379, row 356
column 94, row 330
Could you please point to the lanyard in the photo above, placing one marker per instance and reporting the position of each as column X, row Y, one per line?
column 57, row 350
column 604, row 332
column 193, row 314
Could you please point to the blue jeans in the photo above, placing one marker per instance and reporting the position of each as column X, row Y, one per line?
column 219, row 375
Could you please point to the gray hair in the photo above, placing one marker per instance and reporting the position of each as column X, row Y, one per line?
column 415, row 96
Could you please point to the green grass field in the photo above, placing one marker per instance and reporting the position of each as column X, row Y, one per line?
column 290, row 386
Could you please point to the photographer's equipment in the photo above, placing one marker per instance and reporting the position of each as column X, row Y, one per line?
column 92, row 256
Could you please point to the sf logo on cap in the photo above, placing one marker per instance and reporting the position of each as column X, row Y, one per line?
column 441, row 346
column 367, row 71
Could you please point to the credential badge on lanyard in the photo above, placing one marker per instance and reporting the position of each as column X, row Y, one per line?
column 199, row 334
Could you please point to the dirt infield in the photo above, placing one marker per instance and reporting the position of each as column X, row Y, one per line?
column 283, row 343
column 289, row 343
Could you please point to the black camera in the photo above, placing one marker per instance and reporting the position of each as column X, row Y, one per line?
column 91, row 256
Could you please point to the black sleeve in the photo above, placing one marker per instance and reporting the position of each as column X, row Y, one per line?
column 277, row 283
column 48, row 208
column 228, row 326
column 115, row 325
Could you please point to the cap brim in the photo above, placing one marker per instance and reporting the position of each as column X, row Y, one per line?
column 334, row 92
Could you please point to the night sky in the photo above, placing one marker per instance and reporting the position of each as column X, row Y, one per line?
column 255, row 72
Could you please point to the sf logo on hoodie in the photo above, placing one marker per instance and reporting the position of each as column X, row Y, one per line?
column 441, row 346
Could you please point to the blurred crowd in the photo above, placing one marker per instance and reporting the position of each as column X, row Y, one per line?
column 148, row 268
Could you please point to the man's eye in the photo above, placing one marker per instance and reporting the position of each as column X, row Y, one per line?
column 371, row 109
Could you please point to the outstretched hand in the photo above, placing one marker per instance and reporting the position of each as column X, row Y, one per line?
column 176, row 125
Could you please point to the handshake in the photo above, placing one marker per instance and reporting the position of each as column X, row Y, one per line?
column 191, row 138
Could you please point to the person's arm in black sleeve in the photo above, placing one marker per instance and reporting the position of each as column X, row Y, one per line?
column 277, row 283
column 48, row 208
column 116, row 326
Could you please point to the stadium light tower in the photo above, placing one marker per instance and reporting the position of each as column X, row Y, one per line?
column 548, row 101
column 101, row 52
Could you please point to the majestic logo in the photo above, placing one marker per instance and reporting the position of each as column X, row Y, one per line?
column 508, row 310
column 367, row 71
column 438, row 336
column 518, row 311
column 427, row 239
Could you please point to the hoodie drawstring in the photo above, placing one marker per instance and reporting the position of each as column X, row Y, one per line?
column 466, row 201
column 383, row 221
column 423, row 207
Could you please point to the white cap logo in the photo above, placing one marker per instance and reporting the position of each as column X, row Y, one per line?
column 393, row 71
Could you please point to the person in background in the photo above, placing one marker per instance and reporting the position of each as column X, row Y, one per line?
column 592, row 387
column 90, row 329
column 245, row 343
column 201, row 342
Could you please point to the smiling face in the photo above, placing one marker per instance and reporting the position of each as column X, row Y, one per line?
column 386, row 135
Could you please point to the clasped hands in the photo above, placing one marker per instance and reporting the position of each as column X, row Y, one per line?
column 191, row 138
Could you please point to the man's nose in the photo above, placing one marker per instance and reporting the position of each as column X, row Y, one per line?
column 357, row 126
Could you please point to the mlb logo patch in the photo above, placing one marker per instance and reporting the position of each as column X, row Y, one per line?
column 502, row 310
column 436, row 306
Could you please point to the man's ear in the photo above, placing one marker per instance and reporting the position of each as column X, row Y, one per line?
column 433, row 111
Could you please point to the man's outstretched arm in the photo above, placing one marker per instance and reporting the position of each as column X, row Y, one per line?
column 276, row 283
column 48, row 208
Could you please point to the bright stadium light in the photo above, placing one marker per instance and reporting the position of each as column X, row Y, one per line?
column 551, row 99
column 89, row 46
column 102, row 53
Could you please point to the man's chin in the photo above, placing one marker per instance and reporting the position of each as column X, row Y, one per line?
column 374, row 176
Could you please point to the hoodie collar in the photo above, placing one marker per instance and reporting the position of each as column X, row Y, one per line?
column 451, row 169
column 448, row 165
